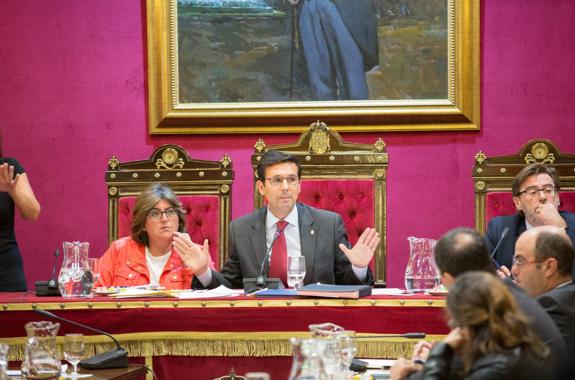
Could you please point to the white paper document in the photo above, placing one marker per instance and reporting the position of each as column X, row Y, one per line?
column 220, row 291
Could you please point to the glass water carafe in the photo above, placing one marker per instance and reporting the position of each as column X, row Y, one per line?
column 421, row 273
column 75, row 280
column 41, row 359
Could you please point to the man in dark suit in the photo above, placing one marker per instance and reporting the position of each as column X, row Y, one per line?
column 463, row 250
column 542, row 265
column 339, row 41
column 536, row 196
column 317, row 235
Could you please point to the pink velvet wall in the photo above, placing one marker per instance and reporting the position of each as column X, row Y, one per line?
column 72, row 75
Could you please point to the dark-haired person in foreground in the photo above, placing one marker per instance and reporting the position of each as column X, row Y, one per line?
column 317, row 235
column 463, row 250
column 15, row 193
column 536, row 197
column 489, row 331
column 542, row 266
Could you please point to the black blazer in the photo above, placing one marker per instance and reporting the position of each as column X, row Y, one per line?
column 560, row 305
column 516, row 224
column 320, row 231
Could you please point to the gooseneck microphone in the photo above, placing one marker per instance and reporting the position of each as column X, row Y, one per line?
column 53, row 283
column 412, row 335
column 49, row 288
column 263, row 277
column 503, row 234
column 117, row 358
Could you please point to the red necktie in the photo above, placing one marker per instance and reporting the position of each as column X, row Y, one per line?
column 278, row 265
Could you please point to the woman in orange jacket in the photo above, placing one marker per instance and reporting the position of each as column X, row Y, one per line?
column 158, row 250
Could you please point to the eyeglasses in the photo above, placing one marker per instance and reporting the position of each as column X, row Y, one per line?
column 292, row 180
column 533, row 191
column 520, row 262
column 156, row 214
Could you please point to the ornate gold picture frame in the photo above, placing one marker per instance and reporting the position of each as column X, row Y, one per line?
column 171, row 111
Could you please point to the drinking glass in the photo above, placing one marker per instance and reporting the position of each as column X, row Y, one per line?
column 74, row 353
column 296, row 271
column 94, row 267
column 3, row 361
column 348, row 348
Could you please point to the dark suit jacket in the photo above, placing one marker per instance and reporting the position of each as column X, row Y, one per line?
column 560, row 305
column 516, row 224
column 320, row 231
column 360, row 18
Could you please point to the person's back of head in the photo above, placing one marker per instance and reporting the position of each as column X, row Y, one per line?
column 553, row 242
column 481, row 303
column 462, row 250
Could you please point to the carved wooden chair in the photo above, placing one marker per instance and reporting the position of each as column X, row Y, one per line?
column 493, row 176
column 348, row 178
column 203, row 187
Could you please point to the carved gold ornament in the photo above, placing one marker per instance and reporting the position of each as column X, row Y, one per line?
column 260, row 145
column 480, row 157
column 539, row 153
column 113, row 162
column 480, row 186
column 379, row 145
column 226, row 160
column 319, row 141
column 170, row 160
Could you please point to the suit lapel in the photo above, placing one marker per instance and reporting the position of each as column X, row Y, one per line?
column 258, row 235
column 308, row 239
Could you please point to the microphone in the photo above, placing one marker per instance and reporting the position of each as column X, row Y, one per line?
column 503, row 234
column 49, row 288
column 117, row 358
column 412, row 335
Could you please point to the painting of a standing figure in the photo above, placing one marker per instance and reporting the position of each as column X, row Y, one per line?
column 258, row 51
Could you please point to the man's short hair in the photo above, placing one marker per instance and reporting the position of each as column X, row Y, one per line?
column 462, row 250
column 557, row 246
column 274, row 157
column 530, row 170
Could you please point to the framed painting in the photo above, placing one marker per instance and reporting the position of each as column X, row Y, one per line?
column 275, row 66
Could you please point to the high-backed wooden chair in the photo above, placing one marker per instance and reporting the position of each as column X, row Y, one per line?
column 203, row 187
column 493, row 176
column 347, row 178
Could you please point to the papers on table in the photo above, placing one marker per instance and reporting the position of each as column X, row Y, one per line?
column 387, row 291
column 145, row 292
column 220, row 291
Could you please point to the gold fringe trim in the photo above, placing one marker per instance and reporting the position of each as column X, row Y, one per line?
column 253, row 344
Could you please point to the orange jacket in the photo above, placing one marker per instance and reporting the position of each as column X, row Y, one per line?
column 124, row 264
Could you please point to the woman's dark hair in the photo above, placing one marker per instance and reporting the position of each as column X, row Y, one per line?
column 145, row 202
column 481, row 302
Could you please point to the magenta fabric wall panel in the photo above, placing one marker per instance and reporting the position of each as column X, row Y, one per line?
column 73, row 76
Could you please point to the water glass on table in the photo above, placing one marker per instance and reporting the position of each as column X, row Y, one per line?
column 74, row 353
column 296, row 271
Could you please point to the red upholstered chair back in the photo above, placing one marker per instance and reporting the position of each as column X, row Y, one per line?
column 346, row 178
column 493, row 177
column 203, row 187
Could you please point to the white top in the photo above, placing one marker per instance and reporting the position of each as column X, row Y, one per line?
column 156, row 265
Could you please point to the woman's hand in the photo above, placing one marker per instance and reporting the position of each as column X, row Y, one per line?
column 421, row 350
column 195, row 256
column 455, row 338
column 403, row 368
column 7, row 180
